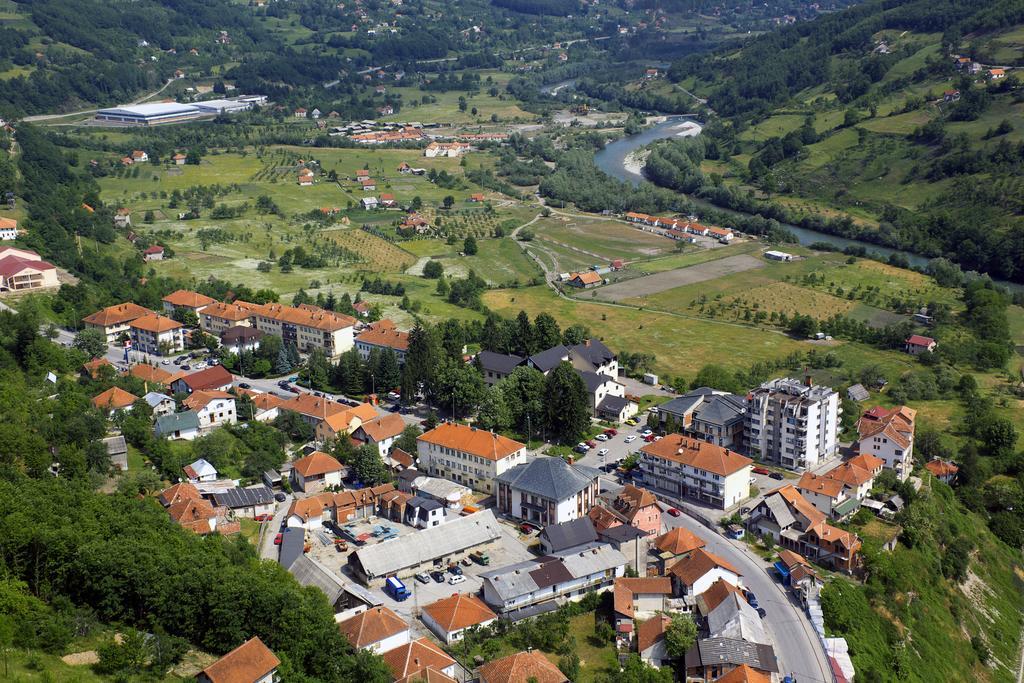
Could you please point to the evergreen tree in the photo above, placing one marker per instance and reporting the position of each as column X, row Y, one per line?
column 524, row 395
column 546, row 331
column 389, row 373
column 317, row 370
column 452, row 339
column 565, row 398
column 494, row 412
column 523, row 339
column 492, row 336
column 283, row 362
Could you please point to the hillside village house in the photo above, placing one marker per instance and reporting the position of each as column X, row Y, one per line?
column 497, row 366
column 8, row 229
column 265, row 405
column 184, row 299
column 212, row 408
column 153, row 253
column 240, row 338
column 161, row 404
column 684, row 467
column 420, row 660
column 638, row 598
column 840, row 491
column 315, row 472
column 674, row 545
column 889, row 435
column 449, row 617
column 189, row 510
column 547, row 491
column 445, row 149
column 24, row 270
column 183, row 426
column 792, row 423
column 377, row 630
column 150, row 374
column 250, row 662
column 916, row 344
column 795, row 524
column 157, row 335
column 113, row 400
column 382, row 335
column 467, row 455
column 696, row 572
column 114, row 321
column 200, row 471
column 942, row 470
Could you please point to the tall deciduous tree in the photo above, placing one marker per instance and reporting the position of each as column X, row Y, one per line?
column 546, row 331
column 91, row 342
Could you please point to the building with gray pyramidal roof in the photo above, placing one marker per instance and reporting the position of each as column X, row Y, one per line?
column 547, row 491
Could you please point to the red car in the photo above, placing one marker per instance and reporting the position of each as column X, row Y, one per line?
column 674, row 512
column 528, row 528
column 610, row 432
column 591, row 444
column 277, row 539
column 263, row 518
column 761, row 470
column 649, row 438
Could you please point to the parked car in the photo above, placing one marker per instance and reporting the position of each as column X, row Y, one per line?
column 528, row 528
column 456, row 579
column 581, row 448
column 165, row 361
column 280, row 497
column 611, row 432
column 631, row 422
column 653, row 410
column 283, row 384
column 244, row 385
column 762, row 470
column 603, row 451
column 480, row 557
column 186, row 367
column 646, row 432
column 277, row 539
column 649, row 438
column 393, row 396
column 466, row 562
column 751, row 599
column 454, row 568
column 674, row 512
column 761, row 612
column 776, row 475
column 437, row 576
column 631, row 438
column 744, row 510
column 263, row 518
column 601, row 437
column 591, row 444
column 423, row 577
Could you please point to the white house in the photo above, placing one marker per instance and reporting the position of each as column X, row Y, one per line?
column 183, row 426
column 369, row 202
column 424, row 512
column 162, row 404
column 449, row 617
column 378, row 630
column 547, row 491
column 380, row 432
column 467, row 455
column 889, row 435
column 200, row 471
column 212, row 408
column 695, row 573
column 252, row 662
column 684, row 467
column 8, row 229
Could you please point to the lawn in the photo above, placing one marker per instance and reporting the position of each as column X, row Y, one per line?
column 499, row 261
column 446, row 107
column 681, row 346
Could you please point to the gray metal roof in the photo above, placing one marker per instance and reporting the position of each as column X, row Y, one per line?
column 183, row 422
column 717, row 651
column 858, row 393
column 720, row 409
column 734, row 618
column 613, row 404
column 240, row 498
column 551, row 478
column 783, row 517
column 502, row 363
column 521, row 578
column 622, row 533
column 155, row 398
column 115, row 445
column 310, row 573
column 550, row 358
column 422, row 546
column 293, row 541
column 594, row 351
column 423, row 503
column 569, row 534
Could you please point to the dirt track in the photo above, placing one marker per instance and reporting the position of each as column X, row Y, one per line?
column 659, row 282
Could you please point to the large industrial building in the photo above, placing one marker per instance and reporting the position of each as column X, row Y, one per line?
column 156, row 113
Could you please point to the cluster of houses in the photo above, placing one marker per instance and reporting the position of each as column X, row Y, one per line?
column 687, row 229
column 969, row 66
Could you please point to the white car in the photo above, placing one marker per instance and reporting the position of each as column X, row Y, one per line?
column 601, row 437
column 646, row 432
column 603, row 451
column 456, row 579
column 631, row 438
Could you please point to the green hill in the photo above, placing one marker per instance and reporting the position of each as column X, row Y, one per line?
column 861, row 124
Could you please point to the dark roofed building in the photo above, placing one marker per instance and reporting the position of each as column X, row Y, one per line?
column 714, row 416
column 558, row 537
column 241, row 338
column 246, row 502
column 616, row 408
column 117, row 450
column 497, row 366
column 710, row 658
column 599, row 357
column 547, row 491
column 548, row 360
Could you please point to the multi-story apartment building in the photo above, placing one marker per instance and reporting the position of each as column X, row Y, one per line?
column 382, row 335
column 308, row 327
column 156, row 334
column 793, row 424
column 186, row 299
column 467, row 455
column 113, row 321
column 684, row 467
column 216, row 318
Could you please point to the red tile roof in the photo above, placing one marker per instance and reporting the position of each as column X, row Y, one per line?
column 679, row 541
column 211, row 378
column 372, row 626
column 247, row 663
column 156, row 323
column 416, row 656
column 185, row 297
column 697, row 453
column 698, row 563
column 478, row 442
column 651, row 631
column 117, row 315
column 316, row 463
column 459, row 611
column 520, row 668
column 113, row 398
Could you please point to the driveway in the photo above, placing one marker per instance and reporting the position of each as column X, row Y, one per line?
column 796, row 645
column 267, row 549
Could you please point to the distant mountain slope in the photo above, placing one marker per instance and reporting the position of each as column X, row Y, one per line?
column 863, row 123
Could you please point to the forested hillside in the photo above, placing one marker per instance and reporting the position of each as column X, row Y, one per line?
column 864, row 123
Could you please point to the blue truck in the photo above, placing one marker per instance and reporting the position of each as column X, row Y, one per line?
column 396, row 589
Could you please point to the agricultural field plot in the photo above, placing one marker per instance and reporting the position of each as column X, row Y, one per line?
column 499, row 261
column 444, row 106
column 645, row 287
column 377, row 254
column 563, row 259
column 692, row 255
column 657, row 333
column 900, row 124
column 606, row 238
column 887, row 283
column 774, row 126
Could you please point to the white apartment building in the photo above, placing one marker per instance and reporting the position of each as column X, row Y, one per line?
column 548, row 491
column 157, row 334
column 793, row 424
column 680, row 467
column 467, row 455
column 308, row 327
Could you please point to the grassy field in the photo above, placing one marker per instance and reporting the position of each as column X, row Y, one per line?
column 610, row 239
column 446, row 107
column 499, row 261
column 694, row 255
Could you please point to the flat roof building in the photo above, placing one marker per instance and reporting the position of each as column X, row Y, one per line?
column 150, row 114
